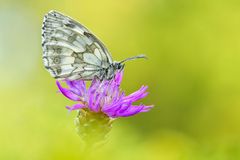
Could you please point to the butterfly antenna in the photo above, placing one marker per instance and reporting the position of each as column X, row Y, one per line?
column 135, row 57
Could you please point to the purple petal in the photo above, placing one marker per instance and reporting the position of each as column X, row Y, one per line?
column 113, row 90
column 118, row 77
column 73, row 88
column 77, row 86
column 98, row 98
column 138, row 92
column 137, row 95
column 95, row 83
column 116, row 101
column 68, row 93
column 124, row 107
column 147, row 108
column 132, row 110
column 94, row 86
column 114, row 106
column 75, row 107
column 91, row 103
column 134, row 99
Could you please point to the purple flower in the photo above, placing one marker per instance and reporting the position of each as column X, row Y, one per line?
column 104, row 96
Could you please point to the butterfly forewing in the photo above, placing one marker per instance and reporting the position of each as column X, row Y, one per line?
column 70, row 50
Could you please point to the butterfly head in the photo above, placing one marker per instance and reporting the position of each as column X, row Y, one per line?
column 118, row 66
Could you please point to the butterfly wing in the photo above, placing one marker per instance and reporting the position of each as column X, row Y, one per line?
column 70, row 50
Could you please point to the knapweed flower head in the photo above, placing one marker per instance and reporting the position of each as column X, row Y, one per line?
column 104, row 97
column 99, row 104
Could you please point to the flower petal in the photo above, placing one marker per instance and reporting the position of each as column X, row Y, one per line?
column 118, row 77
column 91, row 102
column 75, row 107
column 137, row 95
column 132, row 110
column 114, row 105
column 68, row 93
column 77, row 86
column 94, row 86
column 147, row 108
column 98, row 98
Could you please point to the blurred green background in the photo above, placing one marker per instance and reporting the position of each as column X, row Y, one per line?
column 193, row 76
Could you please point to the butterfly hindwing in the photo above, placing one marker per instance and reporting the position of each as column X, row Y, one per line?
column 70, row 50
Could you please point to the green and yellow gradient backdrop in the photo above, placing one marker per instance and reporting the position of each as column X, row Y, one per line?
column 193, row 74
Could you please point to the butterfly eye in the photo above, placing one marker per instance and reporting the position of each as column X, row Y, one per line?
column 119, row 66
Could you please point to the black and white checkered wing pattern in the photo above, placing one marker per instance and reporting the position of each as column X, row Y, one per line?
column 70, row 50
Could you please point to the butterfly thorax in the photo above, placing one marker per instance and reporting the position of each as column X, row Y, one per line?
column 109, row 72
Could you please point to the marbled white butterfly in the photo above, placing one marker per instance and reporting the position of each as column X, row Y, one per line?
column 71, row 51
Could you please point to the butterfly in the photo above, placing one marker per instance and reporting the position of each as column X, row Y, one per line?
column 72, row 52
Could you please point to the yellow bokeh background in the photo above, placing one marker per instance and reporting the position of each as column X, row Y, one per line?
column 193, row 74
